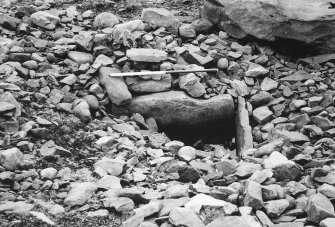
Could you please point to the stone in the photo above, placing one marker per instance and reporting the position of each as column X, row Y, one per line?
column 223, row 64
column 160, row 17
column 202, row 26
column 240, row 87
column 298, row 76
column 261, row 176
column 188, row 174
column 253, row 195
column 109, row 182
column 48, row 173
column 19, row 207
column 275, row 20
column 113, row 167
column 275, row 208
column 92, row 102
column 176, row 191
column 69, row 80
column 98, row 213
column 131, row 26
column 187, row 153
column 8, row 22
column 80, row 57
column 236, row 221
column 227, row 167
column 6, row 107
column 328, row 222
column 319, row 208
column 143, row 86
column 256, row 70
column 50, row 149
column 262, row 114
column 246, row 169
column 191, row 84
column 105, row 19
column 80, row 193
column 293, row 136
column 170, row 204
column 268, row 84
column 194, row 58
column 121, row 204
column 44, row 20
column 187, row 31
column 174, row 109
column 11, row 158
column 197, row 202
column 116, row 88
column 148, row 209
column 146, row 55
column 322, row 122
column 327, row 190
column 275, row 159
column 82, row 111
column 185, row 217
column 261, row 98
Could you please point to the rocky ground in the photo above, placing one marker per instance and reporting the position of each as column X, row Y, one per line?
column 66, row 160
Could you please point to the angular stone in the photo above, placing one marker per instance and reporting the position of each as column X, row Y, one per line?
column 114, row 167
column 121, row 204
column 116, row 88
column 191, row 84
column 80, row 57
column 80, row 193
column 262, row 114
column 161, row 18
column 185, row 217
column 275, row 208
column 319, row 208
column 236, row 221
column 11, row 158
column 45, row 20
column 253, row 195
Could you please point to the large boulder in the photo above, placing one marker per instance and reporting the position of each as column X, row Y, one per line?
column 175, row 109
column 308, row 21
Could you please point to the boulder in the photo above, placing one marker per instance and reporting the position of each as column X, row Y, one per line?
column 105, row 19
column 310, row 23
column 175, row 109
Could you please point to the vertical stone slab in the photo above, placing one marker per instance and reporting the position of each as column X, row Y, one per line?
column 243, row 128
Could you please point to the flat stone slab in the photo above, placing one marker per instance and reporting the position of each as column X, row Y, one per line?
column 176, row 109
column 146, row 55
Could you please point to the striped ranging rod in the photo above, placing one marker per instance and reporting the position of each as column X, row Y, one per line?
column 151, row 73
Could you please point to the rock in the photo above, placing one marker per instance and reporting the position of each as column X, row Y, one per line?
column 327, row 190
column 201, row 200
column 143, row 86
column 293, row 136
column 328, row 222
column 148, row 209
column 6, row 107
column 69, row 80
column 275, row 208
column 176, row 191
column 185, row 217
column 191, row 84
column 253, row 195
column 240, row 87
column 146, row 55
column 116, row 88
column 187, row 153
column 173, row 109
column 298, row 76
column 170, row 204
column 188, row 174
column 50, row 149
column 256, row 70
column 187, row 31
column 8, row 22
column 276, row 159
column 82, row 111
column 161, row 18
column 98, row 213
column 319, row 208
column 223, row 64
column 113, row 167
column 48, row 173
column 227, row 167
column 105, row 19
column 262, row 114
column 19, row 207
column 260, row 98
column 263, row 219
column 261, row 176
column 236, row 221
column 246, row 169
column 122, row 204
column 80, row 57
column 80, row 193
column 92, row 102
column 268, row 84
column 42, row 217
column 202, row 26
column 194, row 58
column 11, row 158
column 109, row 182
column 44, row 20
column 273, row 20
column 322, row 122
column 131, row 26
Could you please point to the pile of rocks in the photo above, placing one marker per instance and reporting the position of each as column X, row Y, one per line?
column 60, row 61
